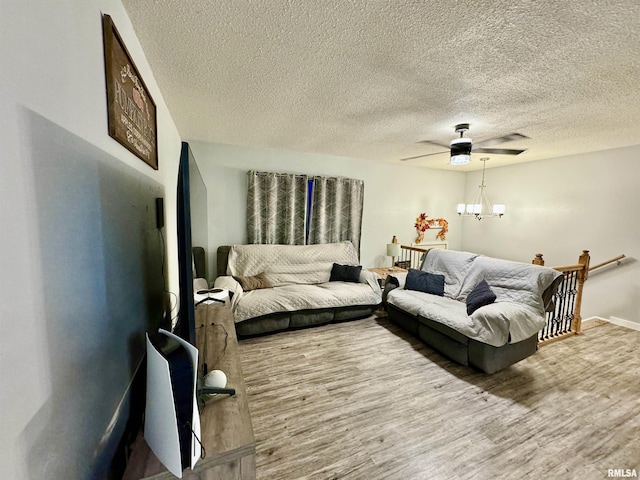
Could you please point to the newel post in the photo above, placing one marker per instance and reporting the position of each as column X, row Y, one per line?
column 582, row 277
column 538, row 260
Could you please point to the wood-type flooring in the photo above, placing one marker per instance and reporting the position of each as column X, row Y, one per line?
column 364, row 400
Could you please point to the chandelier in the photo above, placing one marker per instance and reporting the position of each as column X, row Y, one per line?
column 481, row 206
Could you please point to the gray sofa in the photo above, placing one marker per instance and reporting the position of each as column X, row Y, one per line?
column 299, row 291
column 491, row 337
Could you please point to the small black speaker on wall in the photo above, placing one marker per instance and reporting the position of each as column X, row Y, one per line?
column 159, row 212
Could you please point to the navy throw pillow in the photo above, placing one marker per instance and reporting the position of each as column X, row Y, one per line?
column 480, row 296
column 345, row 273
column 426, row 282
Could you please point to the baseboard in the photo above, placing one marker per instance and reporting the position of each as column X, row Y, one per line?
column 596, row 321
column 592, row 322
column 621, row 322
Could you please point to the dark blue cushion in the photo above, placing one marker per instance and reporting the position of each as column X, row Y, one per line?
column 426, row 282
column 480, row 296
column 345, row 273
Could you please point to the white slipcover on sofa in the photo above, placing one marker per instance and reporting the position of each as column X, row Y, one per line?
column 493, row 336
column 302, row 294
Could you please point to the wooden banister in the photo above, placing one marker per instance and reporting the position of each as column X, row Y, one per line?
column 607, row 262
column 411, row 256
column 413, row 248
column 568, row 268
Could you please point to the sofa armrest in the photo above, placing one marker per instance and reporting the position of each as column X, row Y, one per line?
column 388, row 286
column 229, row 283
column 370, row 279
column 548, row 294
column 514, row 321
column 399, row 279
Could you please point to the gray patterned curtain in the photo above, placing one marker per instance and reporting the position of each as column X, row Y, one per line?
column 336, row 210
column 276, row 208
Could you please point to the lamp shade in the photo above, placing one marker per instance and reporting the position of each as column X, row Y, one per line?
column 393, row 250
column 498, row 209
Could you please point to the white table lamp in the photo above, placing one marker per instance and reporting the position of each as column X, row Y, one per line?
column 393, row 251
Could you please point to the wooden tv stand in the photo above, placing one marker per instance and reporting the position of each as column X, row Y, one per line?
column 227, row 434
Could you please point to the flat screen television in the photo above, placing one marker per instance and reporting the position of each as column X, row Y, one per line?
column 172, row 422
column 191, row 206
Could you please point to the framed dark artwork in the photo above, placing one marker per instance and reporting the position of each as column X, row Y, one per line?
column 131, row 110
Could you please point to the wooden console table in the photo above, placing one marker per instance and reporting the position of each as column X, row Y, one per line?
column 227, row 434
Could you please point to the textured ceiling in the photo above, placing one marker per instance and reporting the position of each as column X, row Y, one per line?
column 371, row 79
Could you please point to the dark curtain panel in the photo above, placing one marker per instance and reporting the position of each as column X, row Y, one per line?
column 336, row 210
column 276, row 208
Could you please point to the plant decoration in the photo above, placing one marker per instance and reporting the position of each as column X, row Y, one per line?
column 424, row 223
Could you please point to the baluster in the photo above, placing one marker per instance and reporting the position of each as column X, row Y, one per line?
column 572, row 302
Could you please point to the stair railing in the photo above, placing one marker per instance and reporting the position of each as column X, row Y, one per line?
column 607, row 262
column 410, row 256
column 564, row 319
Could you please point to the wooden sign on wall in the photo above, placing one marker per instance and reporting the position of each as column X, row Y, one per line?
column 132, row 111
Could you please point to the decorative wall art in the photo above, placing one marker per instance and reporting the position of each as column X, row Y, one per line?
column 131, row 110
column 424, row 223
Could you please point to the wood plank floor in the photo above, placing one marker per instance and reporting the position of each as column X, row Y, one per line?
column 364, row 400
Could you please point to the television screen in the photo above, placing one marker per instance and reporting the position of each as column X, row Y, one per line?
column 191, row 204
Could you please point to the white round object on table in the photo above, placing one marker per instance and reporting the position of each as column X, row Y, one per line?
column 215, row 379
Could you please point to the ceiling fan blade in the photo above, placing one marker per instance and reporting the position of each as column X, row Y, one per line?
column 510, row 137
column 498, row 151
column 432, row 142
column 420, row 156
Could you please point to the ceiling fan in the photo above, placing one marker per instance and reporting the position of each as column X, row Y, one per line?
column 461, row 147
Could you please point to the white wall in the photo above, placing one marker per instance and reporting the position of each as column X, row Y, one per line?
column 51, row 59
column 561, row 206
column 557, row 207
column 394, row 194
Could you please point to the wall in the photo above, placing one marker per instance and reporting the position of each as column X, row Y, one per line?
column 394, row 194
column 557, row 207
column 561, row 206
column 58, row 348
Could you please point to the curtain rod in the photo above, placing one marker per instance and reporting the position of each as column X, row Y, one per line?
column 299, row 175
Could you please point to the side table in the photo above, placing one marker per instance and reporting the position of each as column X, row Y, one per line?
column 384, row 272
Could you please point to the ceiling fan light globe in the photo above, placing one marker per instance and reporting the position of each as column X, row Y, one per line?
column 460, row 151
column 460, row 159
